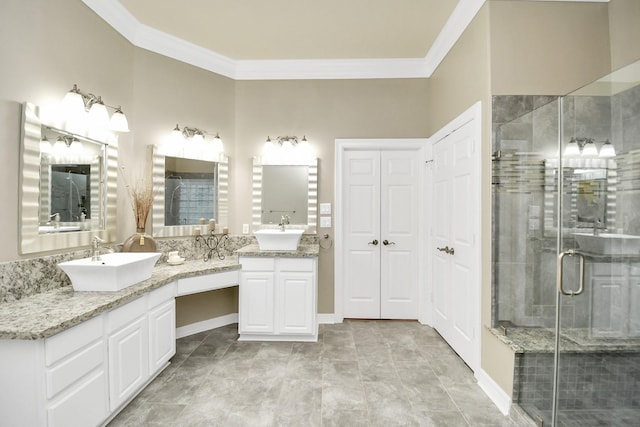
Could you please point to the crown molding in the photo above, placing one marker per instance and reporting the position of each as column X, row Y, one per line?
column 459, row 20
column 143, row 36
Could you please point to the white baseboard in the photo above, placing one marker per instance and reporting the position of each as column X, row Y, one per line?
column 326, row 318
column 205, row 325
column 499, row 398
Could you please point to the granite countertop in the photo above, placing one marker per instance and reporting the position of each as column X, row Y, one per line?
column 303, row 251
column 48, row 313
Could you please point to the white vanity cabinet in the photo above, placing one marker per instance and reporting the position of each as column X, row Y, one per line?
column 614, row 299
column 141, row 340
column 278, row 299
column 58, row 381
column 83, row 375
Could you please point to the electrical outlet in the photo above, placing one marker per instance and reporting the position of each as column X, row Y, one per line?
column 325, row 208
column 325, row 222
column 245, row 228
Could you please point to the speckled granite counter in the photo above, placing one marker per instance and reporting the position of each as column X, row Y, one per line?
column 303, row 251
column 542, row 340
column 45, row 314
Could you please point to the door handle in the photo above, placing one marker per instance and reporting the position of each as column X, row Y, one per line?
column 374, row 243
column 447, row 250
column 559, row 280
column 386, row 242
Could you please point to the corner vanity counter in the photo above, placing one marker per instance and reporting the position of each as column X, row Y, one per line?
column 77, row 358
column 278, row 294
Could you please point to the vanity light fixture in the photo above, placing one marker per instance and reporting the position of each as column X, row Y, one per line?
column 198, row 136
column 287, row 150
column 586, row 147
column 77, row 105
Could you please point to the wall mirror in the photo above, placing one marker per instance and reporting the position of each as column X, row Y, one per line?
column 187, row 189
column 290, row 190
column 67, row 187
column 589, row 194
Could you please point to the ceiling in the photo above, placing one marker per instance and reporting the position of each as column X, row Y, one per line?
column 296, row 39
column 300, row 29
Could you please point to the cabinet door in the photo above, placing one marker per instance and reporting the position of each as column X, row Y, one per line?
column 128, row 360
column 608, row 310
column 256, row 302
column 162, row 335
column 296, row 308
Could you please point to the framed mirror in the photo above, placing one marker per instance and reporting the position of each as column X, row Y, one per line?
column 290, row 190
column 67, row 187
column 589, row 194
column 186, row 190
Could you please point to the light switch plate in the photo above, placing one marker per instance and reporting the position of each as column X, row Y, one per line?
column 245, row 228
column 325, row 222
column 325, row 208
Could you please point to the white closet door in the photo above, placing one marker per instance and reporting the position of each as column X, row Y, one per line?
column 362, row 234
column 399, row 207
column 454, row 296
column 381, row 239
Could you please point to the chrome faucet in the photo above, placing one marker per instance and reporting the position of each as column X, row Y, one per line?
column 283, row 220
column 597, row 227
column 95, row 245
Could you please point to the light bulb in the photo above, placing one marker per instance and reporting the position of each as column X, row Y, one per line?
column 607, row 150
column 589, row 149
column 98, row 115
column 119, row 122
column 73, row 103
column 218, row 146
column 572, row 149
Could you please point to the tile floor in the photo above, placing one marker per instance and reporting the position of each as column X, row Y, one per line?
column 359, row 373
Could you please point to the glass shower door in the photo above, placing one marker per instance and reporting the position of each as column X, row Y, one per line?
column 597, row 341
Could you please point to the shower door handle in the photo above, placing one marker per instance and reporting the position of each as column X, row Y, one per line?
column 559, row 280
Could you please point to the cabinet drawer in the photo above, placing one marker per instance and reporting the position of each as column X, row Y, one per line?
column 71, row 340
column 85, row 406
column 126, row 314
column 208, row 282
column 161, row 295
column 296, row 264
column 74, row 368
column 258, row 264
column 607, row 269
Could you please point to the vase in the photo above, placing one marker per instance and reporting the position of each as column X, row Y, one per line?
column 140, row 242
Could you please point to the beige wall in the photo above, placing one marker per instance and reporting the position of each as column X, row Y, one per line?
column 624, row 28
column 323, row 111
column 206, row 305
column 547, row 48
column 461, row 80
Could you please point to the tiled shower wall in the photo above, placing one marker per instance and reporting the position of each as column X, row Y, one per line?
column 525, row 133
column 587, row 380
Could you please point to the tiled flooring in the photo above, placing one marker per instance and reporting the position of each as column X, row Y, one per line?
column 359, row 373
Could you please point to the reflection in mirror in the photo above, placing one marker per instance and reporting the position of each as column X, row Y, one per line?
column 191, row 189
column 70, row 174
column 191, row 193
column 285, row 192
column 67, row 189
column 290, row 190
column 589, row 194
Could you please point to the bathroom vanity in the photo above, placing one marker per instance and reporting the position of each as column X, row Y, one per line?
column 77, row 358
column 278, row 294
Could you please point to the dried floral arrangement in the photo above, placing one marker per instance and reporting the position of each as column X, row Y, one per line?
column 141, row 194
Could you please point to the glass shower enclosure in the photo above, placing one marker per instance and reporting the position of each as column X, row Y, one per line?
column 566, row 253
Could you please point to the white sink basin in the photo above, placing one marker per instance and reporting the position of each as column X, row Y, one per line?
column 609, row 243
column 276, row 240
column 61, row 229
column 114, row 272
